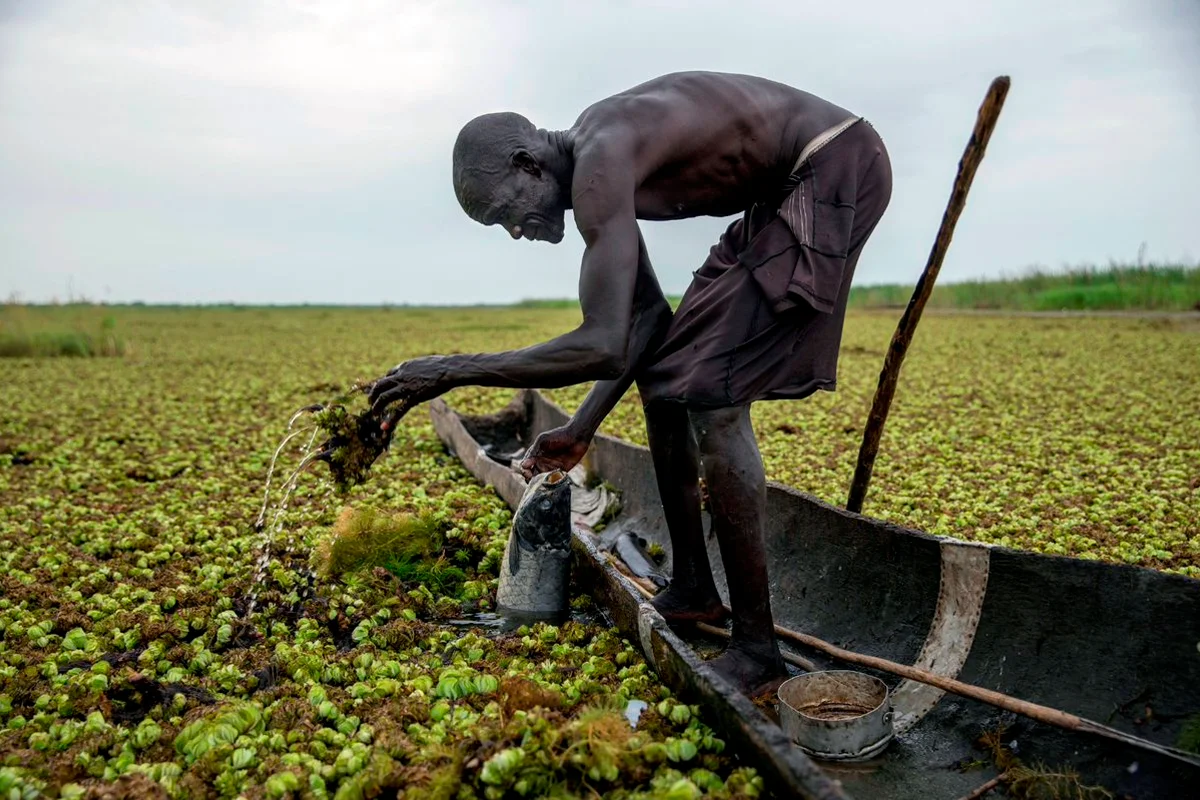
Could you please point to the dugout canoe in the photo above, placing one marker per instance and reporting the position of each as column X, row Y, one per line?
column 1116, row 644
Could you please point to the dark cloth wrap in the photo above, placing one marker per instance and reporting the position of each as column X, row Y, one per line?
column 763, row 316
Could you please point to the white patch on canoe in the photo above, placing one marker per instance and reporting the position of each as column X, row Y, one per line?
column 964, row 577
column 589, row 505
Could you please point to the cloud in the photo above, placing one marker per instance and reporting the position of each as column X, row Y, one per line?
column 262, row 150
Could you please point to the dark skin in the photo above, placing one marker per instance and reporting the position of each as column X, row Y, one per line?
column 679, row 146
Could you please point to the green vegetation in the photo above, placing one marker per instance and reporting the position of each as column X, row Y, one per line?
column 367, row 537
column 549, row 303
column 411, row 548
column 80, row 332
column 129, row 489
column 1117, row 287
column 1088, row 288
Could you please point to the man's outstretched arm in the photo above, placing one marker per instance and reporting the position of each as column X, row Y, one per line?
column 598, row 349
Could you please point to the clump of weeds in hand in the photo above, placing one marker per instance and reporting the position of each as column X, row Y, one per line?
column 355, row 438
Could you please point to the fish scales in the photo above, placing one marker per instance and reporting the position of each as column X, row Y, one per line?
column 535, row 569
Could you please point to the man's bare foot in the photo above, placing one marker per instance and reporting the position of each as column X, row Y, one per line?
column 677, row 605
column 755, row 673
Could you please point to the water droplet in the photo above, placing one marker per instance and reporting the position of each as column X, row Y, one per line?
column 271, row 532
column 633, row 711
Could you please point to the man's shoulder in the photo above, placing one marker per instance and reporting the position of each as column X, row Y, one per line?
column 615, row 126
column 607, row 119
column 607, row 132
column 680, row 100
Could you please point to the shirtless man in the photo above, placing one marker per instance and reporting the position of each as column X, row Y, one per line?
column 761, row 320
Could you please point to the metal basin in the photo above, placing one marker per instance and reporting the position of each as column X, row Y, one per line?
column 837, row 715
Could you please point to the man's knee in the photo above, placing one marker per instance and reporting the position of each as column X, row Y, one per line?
column 715, row 428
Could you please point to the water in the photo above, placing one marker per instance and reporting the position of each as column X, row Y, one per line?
column 633, row 711
column 258, row 523
column 269, row 533
column 495, row 624
column 483, row 620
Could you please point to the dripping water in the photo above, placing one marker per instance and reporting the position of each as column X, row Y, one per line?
column 270, row 532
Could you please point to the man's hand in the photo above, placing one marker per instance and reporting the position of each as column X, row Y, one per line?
column 560, row 448
column 408, row 384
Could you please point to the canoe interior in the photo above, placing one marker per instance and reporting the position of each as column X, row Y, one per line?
column 1115, row 644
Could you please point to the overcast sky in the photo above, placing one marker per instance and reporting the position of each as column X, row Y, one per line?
column 272, row 151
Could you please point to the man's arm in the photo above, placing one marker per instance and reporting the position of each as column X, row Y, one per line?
column 564, row 447
column 651, row 319
column 597, row 350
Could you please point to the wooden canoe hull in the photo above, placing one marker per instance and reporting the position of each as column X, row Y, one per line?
column 1116, row 644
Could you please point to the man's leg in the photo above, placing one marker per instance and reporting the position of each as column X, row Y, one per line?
column 737, row 490
column 692, row 595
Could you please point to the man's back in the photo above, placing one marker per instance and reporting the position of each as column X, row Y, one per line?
column 707, row 143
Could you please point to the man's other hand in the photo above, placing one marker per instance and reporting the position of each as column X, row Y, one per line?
column 559, row 448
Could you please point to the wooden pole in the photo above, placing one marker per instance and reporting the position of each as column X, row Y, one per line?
column 985, row 122
column 985, row 788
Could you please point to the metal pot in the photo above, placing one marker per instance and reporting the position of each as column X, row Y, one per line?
column 837, row 715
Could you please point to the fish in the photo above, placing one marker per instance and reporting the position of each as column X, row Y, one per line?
column 535, row 568
column 630, row 548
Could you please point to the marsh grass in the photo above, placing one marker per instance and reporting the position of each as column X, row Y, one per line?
column 408, row 546
column 1117, row 287
column 88, row 333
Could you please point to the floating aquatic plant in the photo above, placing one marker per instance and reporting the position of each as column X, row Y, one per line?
column 412, row 548
column 354, row 438
column 126, row 545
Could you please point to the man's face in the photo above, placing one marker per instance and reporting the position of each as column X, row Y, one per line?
column 526, row 203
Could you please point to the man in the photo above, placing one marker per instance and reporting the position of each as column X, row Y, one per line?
column 761, row 320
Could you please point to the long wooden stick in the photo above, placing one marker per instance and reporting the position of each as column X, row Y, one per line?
column 985, row 788
column 985, row 122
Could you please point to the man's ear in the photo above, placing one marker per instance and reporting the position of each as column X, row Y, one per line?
column 524, row 160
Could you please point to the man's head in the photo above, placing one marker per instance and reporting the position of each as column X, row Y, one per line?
column 502, row 176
